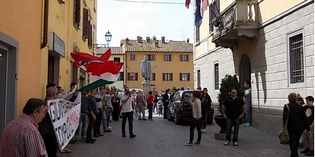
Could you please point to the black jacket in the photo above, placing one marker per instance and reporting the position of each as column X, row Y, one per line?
column 165, row 99
column 205, row 104
column 233, row 108
column 309, row 120
column 296, row 118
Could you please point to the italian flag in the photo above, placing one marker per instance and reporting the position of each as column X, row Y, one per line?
column 109, row 77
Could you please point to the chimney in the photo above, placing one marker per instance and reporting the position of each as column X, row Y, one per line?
column 127, row 41
column 139, row 39
column 148, row 39
column 187, row 40
column 156, row 43
column 163, row 39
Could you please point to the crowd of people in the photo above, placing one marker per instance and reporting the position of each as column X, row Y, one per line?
column 298, row 119
column 32, row 134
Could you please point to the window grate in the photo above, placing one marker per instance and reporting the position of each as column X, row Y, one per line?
column 216, row 76
column 296, row 58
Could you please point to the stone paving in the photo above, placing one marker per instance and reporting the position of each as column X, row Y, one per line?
column 162, row 138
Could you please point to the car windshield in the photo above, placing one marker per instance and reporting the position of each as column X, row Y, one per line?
column 187, row 96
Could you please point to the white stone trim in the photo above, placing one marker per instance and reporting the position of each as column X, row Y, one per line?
column 286, row 13
column 208, row 53
column 291, row 34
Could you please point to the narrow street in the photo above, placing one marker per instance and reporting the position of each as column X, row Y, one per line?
column 162, row 138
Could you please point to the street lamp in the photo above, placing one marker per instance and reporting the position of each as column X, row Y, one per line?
column 108, row 37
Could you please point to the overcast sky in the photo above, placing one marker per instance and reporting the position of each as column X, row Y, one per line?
column 129, row 20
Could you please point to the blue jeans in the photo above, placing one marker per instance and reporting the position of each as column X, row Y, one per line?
column 107, row 118
column 83, row 124
column 232, row 123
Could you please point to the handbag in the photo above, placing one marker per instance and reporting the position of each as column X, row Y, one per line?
column 284, row 135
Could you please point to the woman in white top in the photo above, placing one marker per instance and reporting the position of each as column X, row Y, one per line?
column 196, row 119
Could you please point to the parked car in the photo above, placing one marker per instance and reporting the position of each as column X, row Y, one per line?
column 180, row 107
column 180, row 110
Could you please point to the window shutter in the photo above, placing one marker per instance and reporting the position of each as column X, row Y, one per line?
column 180, row 76
column 171, row 76
column 136, row 77
column 188, row 76
column 85, row 23
column 77, row 13
column 90, row 36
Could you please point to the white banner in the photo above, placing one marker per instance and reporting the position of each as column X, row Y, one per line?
column 65, row 116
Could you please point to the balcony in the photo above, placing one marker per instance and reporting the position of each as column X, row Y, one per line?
column 240, row 20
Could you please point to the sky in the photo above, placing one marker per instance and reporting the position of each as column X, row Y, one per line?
column 129, row 20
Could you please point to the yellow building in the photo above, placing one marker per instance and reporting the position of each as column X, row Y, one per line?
column 36, row 40
column 171, row 63
column 268, row 43
column 117, row 56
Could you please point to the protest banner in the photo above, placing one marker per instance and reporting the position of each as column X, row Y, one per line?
column 65, row 117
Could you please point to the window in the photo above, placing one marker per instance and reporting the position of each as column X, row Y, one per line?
column 133, row 76
column 184, row 58
column 116, row 59
column 296, row 58
column 76, row 13
column 153, row 77
column 151, row 57
column 121, row 76
column 90, row 35
column 167, row 77
column 168, row 57
column 86, row 23
column 184, row 76
column 216, row 76
column 132, row 56
column 198, row 79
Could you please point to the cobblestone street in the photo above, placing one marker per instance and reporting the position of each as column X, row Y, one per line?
column 162, row 138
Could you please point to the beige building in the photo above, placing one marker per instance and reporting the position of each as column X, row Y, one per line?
column 36, row 40
column 117, row 56
column 270, row 43
column 171, row 63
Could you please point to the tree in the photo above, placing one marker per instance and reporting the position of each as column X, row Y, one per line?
column 228, row 82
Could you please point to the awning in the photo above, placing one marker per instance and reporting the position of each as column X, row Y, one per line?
column 96, row 84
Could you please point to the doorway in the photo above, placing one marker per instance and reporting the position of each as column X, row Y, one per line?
column 53, row 68
column 244, row 70
column 3, row 85
column 7, row 83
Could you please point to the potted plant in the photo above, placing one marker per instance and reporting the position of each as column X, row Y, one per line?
column 227, row 83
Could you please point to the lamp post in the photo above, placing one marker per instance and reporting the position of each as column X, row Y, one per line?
column 108, row 38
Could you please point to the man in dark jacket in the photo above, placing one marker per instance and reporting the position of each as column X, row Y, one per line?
column 92, row 117
column 295, row 116
column 205, row 107
column 233, row 110
column 166, row 100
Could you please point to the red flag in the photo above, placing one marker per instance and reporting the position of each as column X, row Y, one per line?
column 106, row 55
column 187, row 2
column 106, row 67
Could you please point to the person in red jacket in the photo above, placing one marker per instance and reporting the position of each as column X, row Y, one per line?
column 150, row 104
